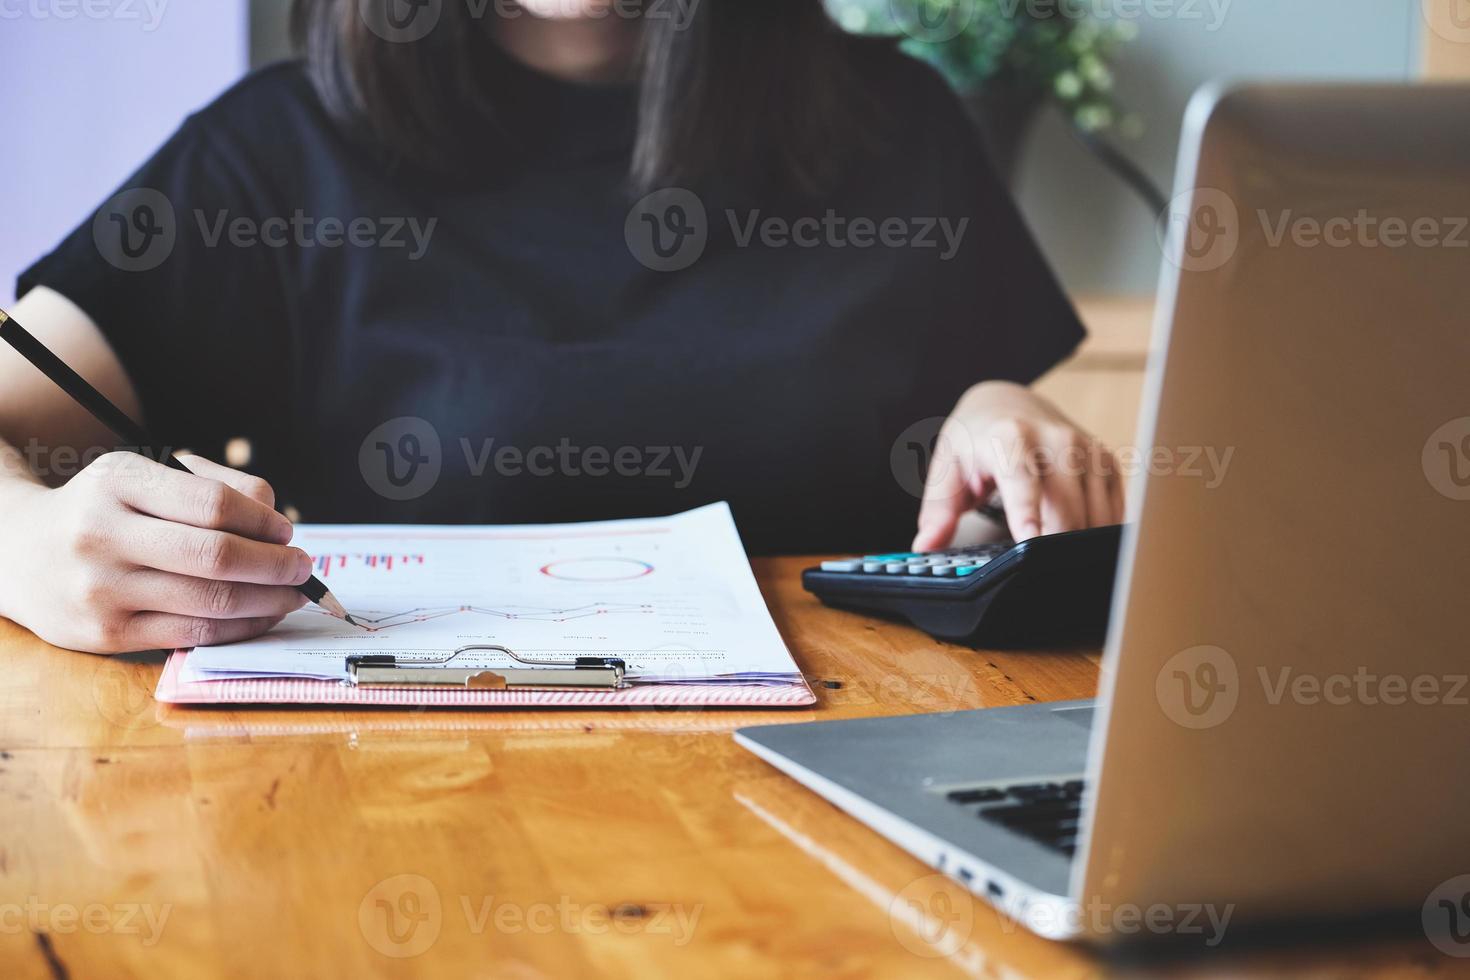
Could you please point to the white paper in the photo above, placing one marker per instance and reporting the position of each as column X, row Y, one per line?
column 674, row 597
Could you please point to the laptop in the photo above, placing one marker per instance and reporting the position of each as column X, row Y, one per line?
column 1282, row 723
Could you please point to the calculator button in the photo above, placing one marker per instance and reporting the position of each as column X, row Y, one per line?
column 964, row 570
column 901, row 556
column 896, row 568
column 842, row 566
column 872, row 566
column 944, row 571
column 920, row 568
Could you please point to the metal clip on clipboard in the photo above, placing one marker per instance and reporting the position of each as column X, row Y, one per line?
column 578, row 673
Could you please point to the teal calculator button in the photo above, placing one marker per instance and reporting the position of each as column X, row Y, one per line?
column 964, row 570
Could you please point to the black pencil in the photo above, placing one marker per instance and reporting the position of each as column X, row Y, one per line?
column 133, row 435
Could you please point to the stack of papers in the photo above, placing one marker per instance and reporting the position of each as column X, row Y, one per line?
column 673, row 597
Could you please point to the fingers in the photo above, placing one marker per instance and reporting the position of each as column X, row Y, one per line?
column 1099, row 499
column 251, row 486
column 947, row 495
column 204, row 598
column 212, row 502
column 165, row 631
column 1021, row 492
column 214, row 555
column 1118, row 495
column 1064, row 484
column 1052, row 477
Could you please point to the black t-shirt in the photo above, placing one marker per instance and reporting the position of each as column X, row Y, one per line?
column 404, row 348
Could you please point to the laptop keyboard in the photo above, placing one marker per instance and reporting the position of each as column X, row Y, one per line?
column 1047, row 812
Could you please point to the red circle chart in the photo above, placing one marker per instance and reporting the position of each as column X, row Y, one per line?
column 597, row 569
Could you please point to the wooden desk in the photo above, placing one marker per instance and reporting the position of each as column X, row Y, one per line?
column 154, row 842
column 509, row 844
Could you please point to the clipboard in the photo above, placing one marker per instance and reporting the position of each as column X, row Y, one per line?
column 173, row 689
column 383, row 672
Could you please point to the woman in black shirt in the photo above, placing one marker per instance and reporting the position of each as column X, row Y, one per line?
column 538, row 261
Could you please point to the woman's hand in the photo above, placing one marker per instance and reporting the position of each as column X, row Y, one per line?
column 1052, row 476
column 130, row 555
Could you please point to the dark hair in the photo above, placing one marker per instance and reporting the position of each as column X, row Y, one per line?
column 755, row 94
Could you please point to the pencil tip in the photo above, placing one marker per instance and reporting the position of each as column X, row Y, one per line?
column 349, row 618
column 331, row 605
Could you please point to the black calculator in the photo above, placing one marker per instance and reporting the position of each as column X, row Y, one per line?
column 1052, row 589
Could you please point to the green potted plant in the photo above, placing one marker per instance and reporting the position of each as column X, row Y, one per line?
column 1009, row 59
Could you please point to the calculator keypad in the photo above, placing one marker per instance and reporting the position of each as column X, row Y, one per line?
column 955, row 563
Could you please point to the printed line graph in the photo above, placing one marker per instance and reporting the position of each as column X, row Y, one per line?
column 372, row 622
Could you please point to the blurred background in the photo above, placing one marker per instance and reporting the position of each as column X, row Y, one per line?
column 102, row 84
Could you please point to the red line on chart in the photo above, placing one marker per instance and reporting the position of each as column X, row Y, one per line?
column 537, row 614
